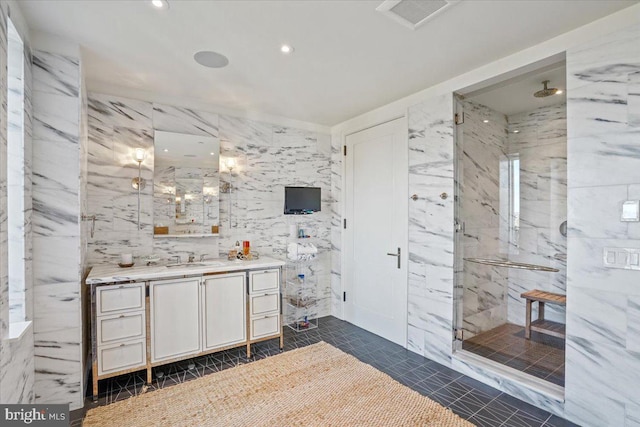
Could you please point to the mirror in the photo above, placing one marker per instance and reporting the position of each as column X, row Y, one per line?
column 185, row 185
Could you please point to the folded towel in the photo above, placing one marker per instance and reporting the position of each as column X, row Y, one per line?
column 301, row 251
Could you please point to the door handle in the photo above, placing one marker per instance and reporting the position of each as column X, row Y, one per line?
column 396, row 255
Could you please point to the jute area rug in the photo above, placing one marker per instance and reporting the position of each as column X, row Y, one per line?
column 317, row 385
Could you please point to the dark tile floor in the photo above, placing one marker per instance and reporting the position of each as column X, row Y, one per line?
column 472, row 400
column 541, row 356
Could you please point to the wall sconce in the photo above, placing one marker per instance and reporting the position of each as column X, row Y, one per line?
column 138, row 183
column 230, row 163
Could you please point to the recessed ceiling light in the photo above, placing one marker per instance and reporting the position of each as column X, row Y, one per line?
column 166, row 150
column 516, row 131
column 160, row 4
column 485, row 121
column 211, row 59
column 213, row 154
column 559, row 92
column 286, row 49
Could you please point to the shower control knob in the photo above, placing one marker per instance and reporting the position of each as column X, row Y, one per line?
column 444, row 196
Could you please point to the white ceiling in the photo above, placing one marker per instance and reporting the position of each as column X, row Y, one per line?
column 516, row 95
column 348, row 58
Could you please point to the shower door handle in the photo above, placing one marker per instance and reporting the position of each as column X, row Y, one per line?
column 396, row 255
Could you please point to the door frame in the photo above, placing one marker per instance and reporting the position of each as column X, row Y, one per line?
column 346, row 234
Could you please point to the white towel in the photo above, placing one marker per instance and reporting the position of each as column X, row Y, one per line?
column 301, row 251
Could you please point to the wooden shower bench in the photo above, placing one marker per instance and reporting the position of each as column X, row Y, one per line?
column 541, row 325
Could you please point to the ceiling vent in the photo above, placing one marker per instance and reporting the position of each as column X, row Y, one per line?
column 413, row 13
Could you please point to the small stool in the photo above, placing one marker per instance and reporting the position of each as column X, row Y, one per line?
column 541, row 325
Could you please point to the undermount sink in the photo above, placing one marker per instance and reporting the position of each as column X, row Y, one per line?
column 197, row 264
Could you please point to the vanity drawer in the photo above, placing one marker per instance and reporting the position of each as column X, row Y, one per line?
column 119, row 327
column 264, row 303
column 265, row 326
column 264, row 281
column 117, row 298
column 123, row 356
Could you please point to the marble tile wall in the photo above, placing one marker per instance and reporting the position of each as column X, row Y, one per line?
column 603, row 355
column 57, row 236
column 17, row 357
column 336, row 226
column 541, row 146
column 16, row 183
column 5, row 353
column 482, row 152
column 85, row 225
column 268, row 157
column 431, row 257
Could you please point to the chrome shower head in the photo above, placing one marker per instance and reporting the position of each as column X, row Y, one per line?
column 546, row 91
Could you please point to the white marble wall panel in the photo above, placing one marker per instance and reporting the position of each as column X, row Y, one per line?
column 602, row 359
column 336, row 226
column 5, row 353
column 16, row 172
column 57, row 244
column 633, row 324
column 267, row 158
column 430, row 294
column 16, row 358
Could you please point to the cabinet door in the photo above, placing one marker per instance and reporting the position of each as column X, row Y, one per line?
column 175, row 318
column 224, row 310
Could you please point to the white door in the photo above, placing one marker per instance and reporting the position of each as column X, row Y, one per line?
column 175, row 318
column 224, row 310
column 376, row 235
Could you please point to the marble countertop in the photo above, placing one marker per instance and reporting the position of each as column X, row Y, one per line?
column 109, row 273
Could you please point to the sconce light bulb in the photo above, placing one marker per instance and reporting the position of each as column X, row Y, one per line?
column 139, row 154
column 231, row 163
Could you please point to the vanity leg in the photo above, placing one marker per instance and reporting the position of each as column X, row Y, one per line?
column 281, row 341
column 95, row 389
column 149, row 375
column 248, row 350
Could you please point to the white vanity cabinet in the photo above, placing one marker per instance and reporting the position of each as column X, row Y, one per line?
column 120, row 330
column 224, row 301
column 264, row 306
column 156, row 315
column 175, row 318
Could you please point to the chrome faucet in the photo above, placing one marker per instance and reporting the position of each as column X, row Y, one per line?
column 192, row 257
column 176, row 259
column 202, row 257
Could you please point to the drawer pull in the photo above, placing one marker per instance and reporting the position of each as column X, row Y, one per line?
column 121, row 316
column 122, row 345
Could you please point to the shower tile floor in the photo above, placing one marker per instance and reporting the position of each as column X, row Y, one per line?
column 542, row 356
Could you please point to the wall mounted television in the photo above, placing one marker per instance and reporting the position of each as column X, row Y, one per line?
column 301, row 200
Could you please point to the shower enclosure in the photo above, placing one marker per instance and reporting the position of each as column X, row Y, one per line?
column 511, row 210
